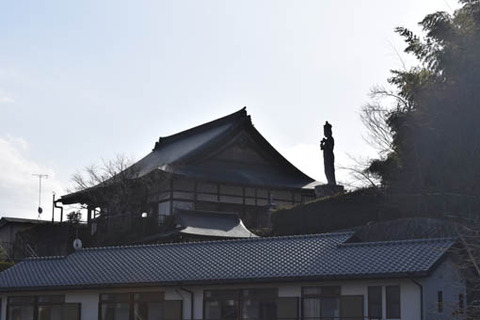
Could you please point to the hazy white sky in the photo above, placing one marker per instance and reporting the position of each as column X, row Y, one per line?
column 82, row 81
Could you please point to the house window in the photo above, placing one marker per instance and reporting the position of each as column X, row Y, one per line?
column 258, row 304
column 138, row 306
column 115, row 306
column 321, row 302
column 287, row 308
column 21, row 308
column 375, row 302
column 52, row 307
column 221, row 304
column 461, row 303
column 440, row 301
column 393, row 302
column 164, row 208
column 351, row 307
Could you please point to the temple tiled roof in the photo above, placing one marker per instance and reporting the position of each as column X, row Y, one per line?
column 187, row 153
column 293, row 258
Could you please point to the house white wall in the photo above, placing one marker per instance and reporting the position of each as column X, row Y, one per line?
column 410, row 294
column 88, row 301
column 447, row 279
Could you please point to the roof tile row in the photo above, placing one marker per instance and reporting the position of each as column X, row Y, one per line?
column 271, row 259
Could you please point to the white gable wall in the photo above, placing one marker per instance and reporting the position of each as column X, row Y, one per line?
column 447, row 279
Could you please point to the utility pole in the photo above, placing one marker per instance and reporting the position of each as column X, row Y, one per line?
column 40, row 177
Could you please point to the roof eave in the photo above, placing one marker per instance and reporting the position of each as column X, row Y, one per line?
column 209, row 282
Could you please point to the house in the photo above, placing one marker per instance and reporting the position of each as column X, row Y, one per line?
column 224, row 165
column 321, row 276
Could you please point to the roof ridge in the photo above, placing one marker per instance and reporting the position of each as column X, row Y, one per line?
column 175, row 244
column 403, row 241
column 45, row 258
column 242, row 113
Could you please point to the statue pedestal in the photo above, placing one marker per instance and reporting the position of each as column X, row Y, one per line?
column 328, row 190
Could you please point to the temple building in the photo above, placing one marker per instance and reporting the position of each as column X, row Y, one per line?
column 223, row 166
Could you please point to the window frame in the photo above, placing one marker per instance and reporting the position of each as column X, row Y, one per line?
column 440, row 301
column 240, row 296
column 35, row 302
column 343, row 300
column 337, row 293
column 388, row 302
column 461, row 303
column 132, row 298
column 370, row 304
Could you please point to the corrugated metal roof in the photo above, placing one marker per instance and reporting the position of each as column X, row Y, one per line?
column 324, row 256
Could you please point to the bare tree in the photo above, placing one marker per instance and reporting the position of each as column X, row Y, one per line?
column 115, row 187
column 362, row 178
column 95, row 174
column 375, row 114
column 116, row 194
column 467, row 255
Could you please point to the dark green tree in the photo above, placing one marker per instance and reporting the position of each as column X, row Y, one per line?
column 435, row 124
column 432, row 149
column 4, row 262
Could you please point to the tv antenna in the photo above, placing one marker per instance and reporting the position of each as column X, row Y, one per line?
column 40, row 177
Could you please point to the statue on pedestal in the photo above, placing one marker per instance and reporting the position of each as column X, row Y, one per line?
column 326, row 144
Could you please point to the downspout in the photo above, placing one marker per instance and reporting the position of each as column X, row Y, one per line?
column 421, row 296
column 53, row 208
column 191, row 301
column 61, row 209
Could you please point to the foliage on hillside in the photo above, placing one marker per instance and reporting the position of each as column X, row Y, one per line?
column 434, row 127
column 328, row 214
column 357, row 208
column 429, row 163
column 4, row 264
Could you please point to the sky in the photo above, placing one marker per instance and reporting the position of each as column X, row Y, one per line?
column 82, row 81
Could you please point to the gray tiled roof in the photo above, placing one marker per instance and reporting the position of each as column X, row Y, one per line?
column 181, row 153
column 319, row 257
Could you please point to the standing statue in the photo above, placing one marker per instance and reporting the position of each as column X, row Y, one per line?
column 326, row 145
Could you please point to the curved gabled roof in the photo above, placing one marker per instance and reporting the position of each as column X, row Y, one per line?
column 212, row 224
column 179, row 153
column 184, row 145
column 187, row 153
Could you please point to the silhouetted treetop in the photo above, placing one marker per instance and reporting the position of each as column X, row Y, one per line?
column 434, row 124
